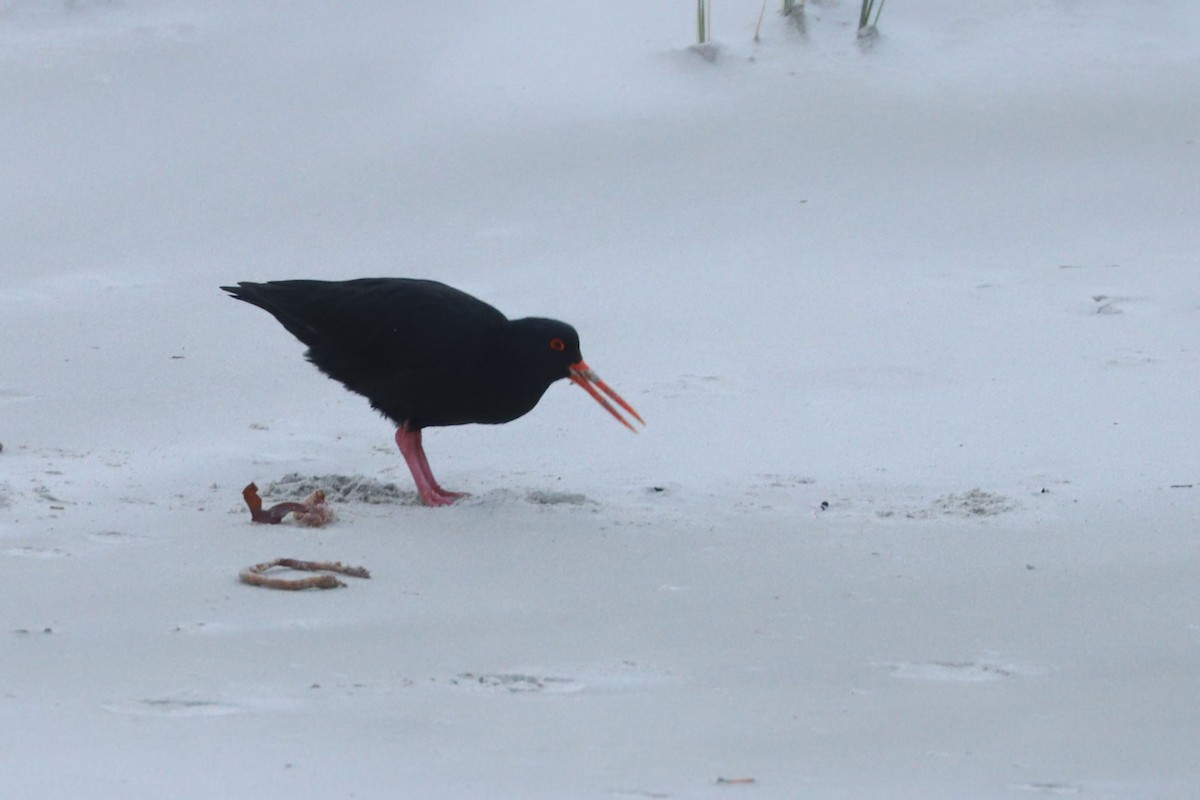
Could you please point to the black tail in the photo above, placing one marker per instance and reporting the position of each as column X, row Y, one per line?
column 284, row 300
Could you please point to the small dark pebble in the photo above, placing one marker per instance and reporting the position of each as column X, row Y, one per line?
column 824, row 505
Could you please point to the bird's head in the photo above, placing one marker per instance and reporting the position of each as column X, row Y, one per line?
column 554, row 347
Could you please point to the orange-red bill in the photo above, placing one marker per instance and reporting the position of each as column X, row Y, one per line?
column 582, row 374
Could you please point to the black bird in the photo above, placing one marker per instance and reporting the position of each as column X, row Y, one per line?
column 426, row 355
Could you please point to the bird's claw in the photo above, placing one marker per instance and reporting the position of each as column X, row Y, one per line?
column 440, row 497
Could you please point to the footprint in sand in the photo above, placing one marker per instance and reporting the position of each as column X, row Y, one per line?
column 186, row 705
column 626, row 677
column 960, row 671
column 29, row 551
column 542, row 498
column 173, row 707
column 517, row 683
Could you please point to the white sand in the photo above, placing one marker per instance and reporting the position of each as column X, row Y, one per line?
column 916, row 332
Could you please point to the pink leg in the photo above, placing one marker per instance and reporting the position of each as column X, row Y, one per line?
column 432, row 494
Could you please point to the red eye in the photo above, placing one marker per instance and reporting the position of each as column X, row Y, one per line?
column 558, row 344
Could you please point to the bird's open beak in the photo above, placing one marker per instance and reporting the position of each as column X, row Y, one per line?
column 582, row 374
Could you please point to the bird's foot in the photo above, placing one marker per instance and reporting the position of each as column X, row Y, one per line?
column 440, row 497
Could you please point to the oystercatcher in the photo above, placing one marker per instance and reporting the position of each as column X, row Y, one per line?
column 427, row 355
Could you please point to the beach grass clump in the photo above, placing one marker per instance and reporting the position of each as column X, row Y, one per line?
column 868, row 18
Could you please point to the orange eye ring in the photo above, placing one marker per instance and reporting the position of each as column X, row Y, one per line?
column 557, row 344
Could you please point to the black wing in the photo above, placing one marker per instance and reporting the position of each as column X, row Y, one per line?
column 384, row 338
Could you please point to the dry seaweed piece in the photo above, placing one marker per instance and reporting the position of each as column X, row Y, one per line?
column 255, row 575
column 312, row 511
